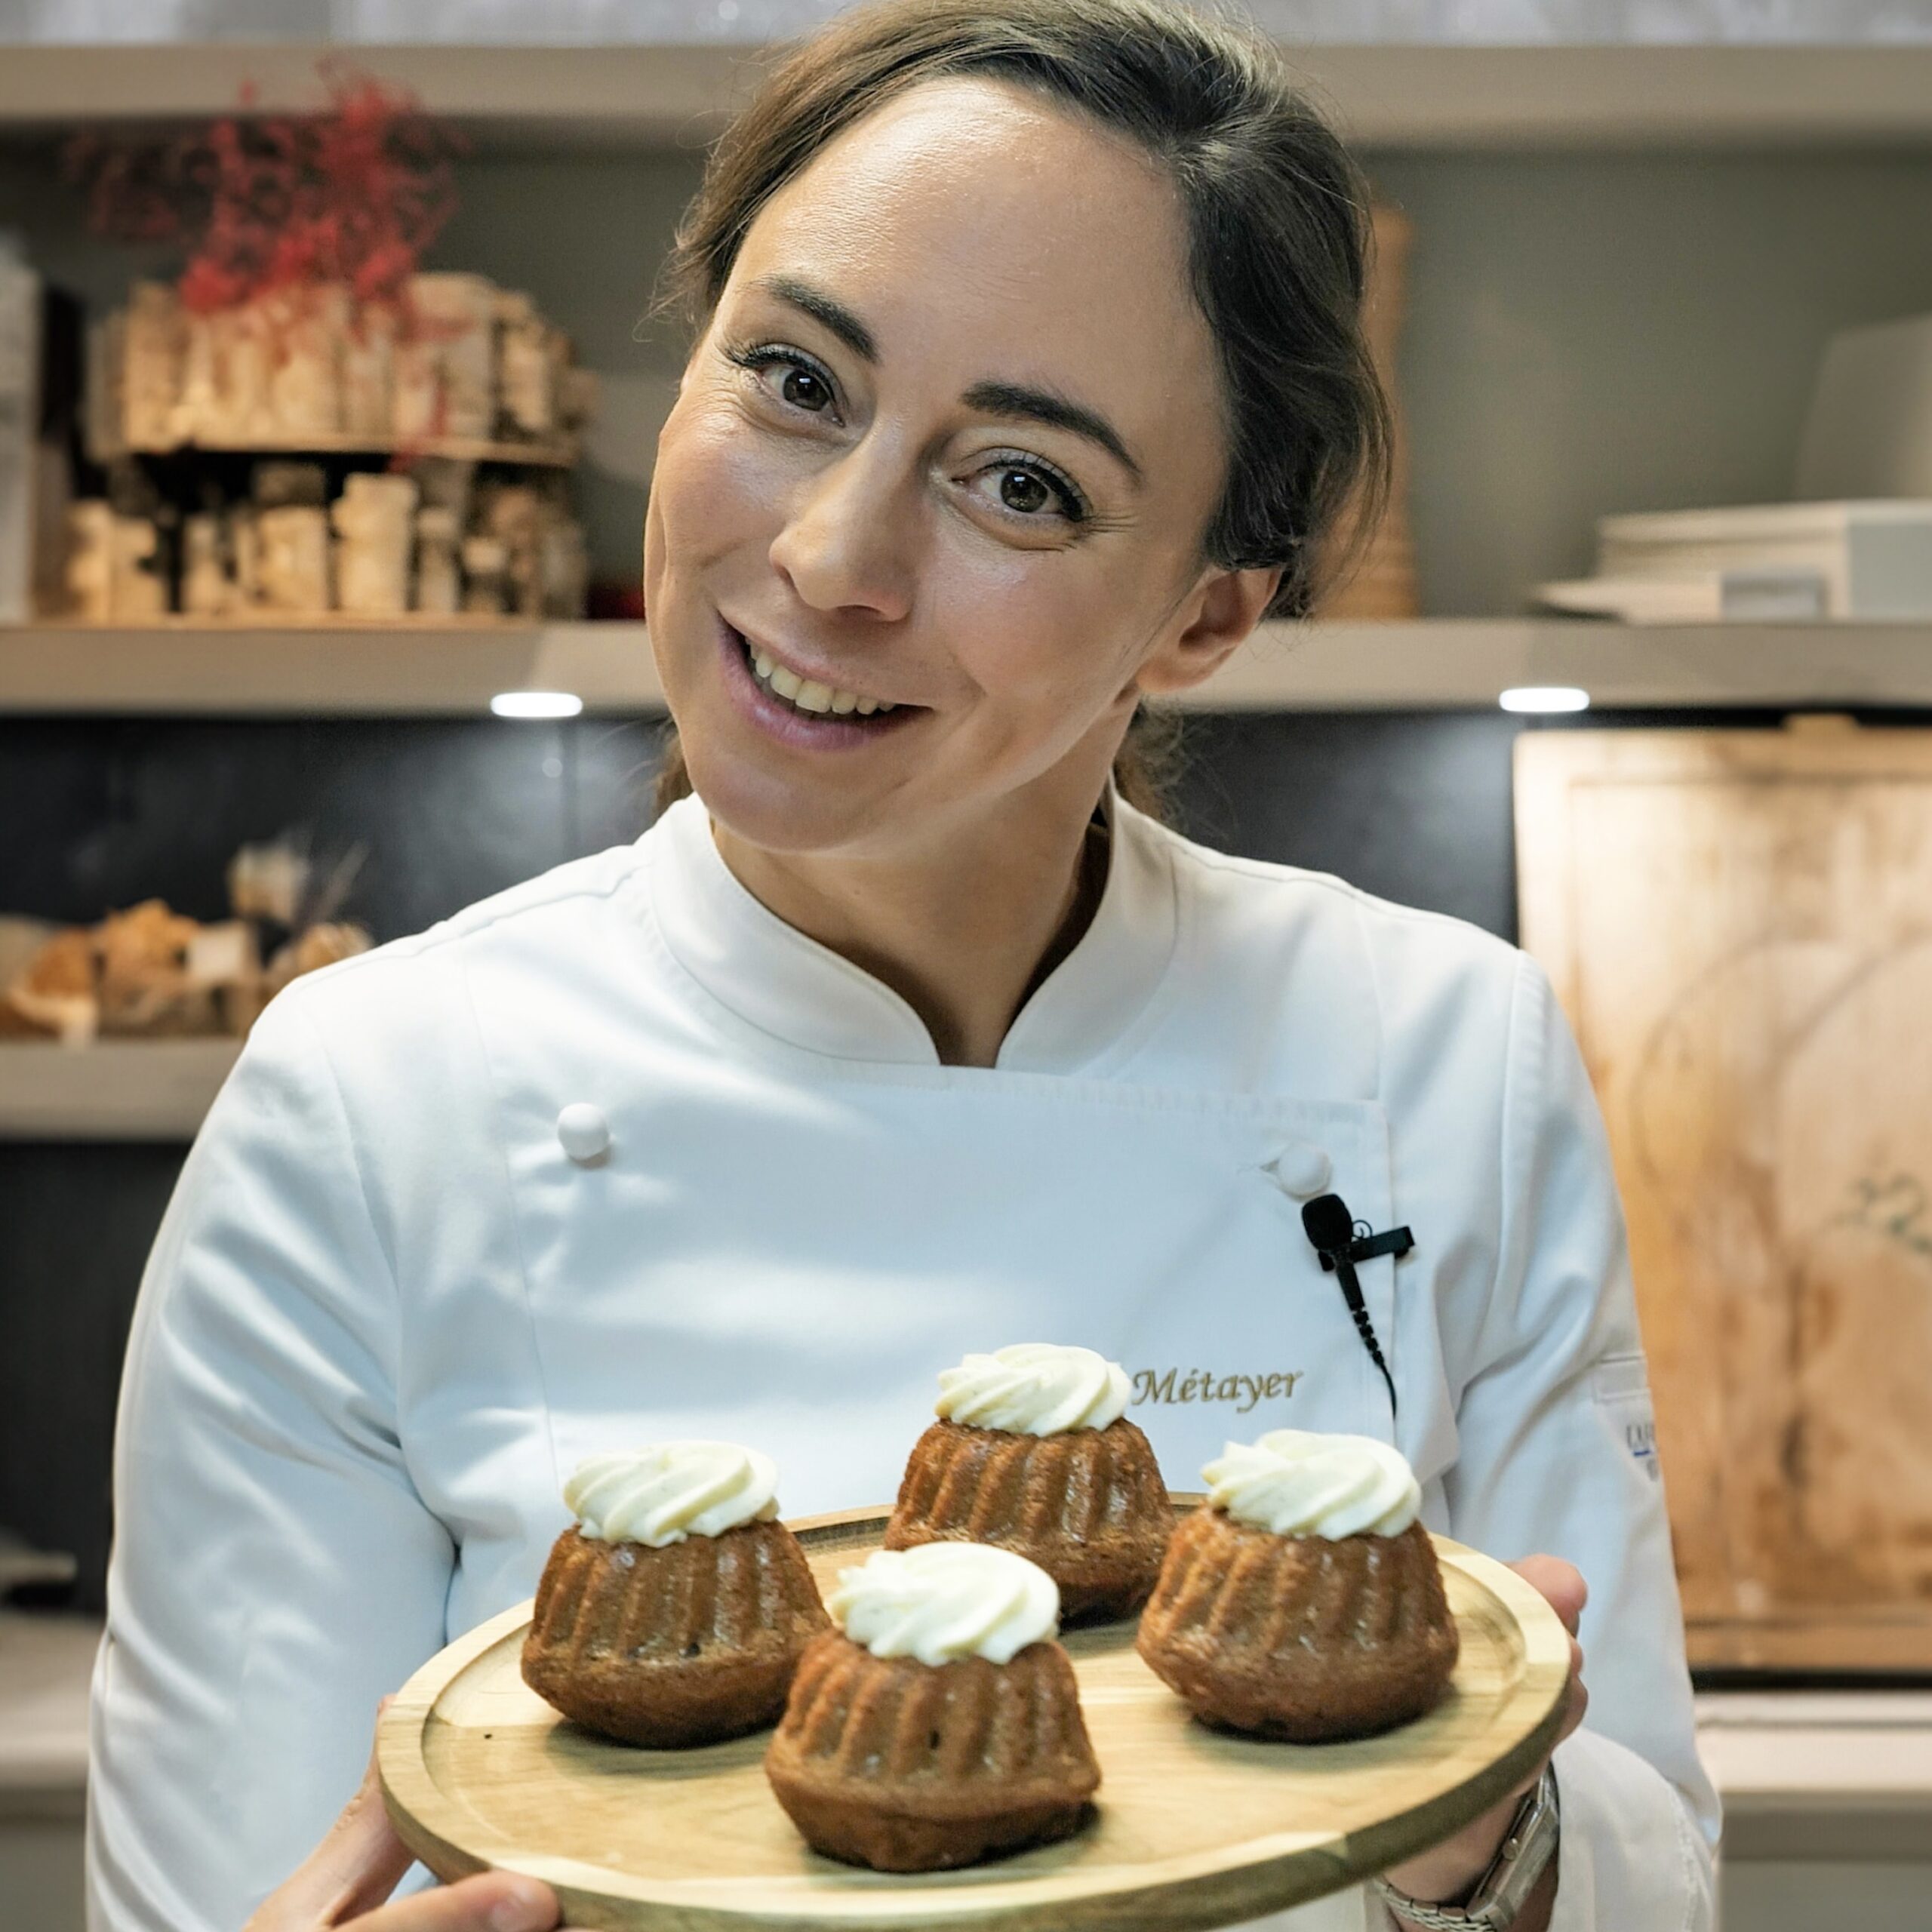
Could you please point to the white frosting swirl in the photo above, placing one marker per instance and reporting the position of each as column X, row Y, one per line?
column 1299, row 1483
column 944, row 1601
column 1034, row 1389
column 667, row 1491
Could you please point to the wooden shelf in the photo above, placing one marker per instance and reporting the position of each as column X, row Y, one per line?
column 115, row 1090
column 1392, row 95
column 559, row 454
column 427, row 669
column 261, row 622
column 1459, row 664
column 321, row 669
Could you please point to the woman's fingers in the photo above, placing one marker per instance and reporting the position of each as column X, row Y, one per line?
column 1561, row 1583
column 345, row 1880
column 491, row 1902
column 1579, row 1702
column 346, row 1877
column 355, row 1867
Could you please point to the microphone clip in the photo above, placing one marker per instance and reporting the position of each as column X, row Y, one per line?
column 1340, row 1241
column 1366, row 1246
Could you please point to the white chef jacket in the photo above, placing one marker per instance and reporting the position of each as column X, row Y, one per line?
column 387, row 1311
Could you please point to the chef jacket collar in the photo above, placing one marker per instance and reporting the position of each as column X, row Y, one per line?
column 776, row 979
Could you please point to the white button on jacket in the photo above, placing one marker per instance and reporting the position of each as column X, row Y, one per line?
column 583, row 1133
column 391, row 1306
column 1301, row 1170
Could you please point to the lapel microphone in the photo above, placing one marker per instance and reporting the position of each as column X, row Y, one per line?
column 1331, row 1232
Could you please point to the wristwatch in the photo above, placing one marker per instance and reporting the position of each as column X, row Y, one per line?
column 1526, row 1848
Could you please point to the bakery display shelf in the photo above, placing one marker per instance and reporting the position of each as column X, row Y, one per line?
column 559, row 453
column 1414, row 95
column 113, row 1090
column 453, row 667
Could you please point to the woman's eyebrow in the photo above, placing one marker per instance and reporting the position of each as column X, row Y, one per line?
column 1019, row 402
column 1016, row 402
column 820, row 306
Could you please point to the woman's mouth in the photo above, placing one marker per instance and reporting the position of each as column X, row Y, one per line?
column 799, row 709
column 803, row 695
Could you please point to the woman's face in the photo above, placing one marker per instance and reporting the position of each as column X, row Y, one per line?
column 928, row 507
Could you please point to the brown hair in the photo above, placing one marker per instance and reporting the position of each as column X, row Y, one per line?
column 1277, row 227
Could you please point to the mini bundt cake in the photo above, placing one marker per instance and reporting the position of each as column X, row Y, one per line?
column 941, row 1723
column 1303, row 1600
column 1032, row 1452
column 675, row 1610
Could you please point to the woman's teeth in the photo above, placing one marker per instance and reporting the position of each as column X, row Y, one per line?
column 803, row 695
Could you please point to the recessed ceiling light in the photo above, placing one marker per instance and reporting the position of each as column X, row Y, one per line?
column 1545, row 697
column 537, row 704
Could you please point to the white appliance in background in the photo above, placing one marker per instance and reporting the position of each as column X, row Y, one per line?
column 1869, row 431
column 1776, row 595
column 1874, row 558
column 1856, row 545
column 19, row 432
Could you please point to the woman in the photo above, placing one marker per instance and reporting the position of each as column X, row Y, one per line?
column 1026, row 380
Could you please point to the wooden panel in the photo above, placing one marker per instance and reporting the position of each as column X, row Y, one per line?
column 1739, row 925
column 1194, row 1827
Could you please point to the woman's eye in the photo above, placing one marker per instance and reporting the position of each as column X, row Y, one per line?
column 800, row 386
column 1020, row 490
column 803, row 389
column 1024, row 489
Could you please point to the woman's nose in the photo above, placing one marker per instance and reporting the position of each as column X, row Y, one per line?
column 846, row 544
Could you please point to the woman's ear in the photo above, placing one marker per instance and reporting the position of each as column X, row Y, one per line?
column 1227, row 607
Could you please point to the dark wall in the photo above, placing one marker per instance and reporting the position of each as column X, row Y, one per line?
column 1413, row 806
column 106, row 812
column 99, row 814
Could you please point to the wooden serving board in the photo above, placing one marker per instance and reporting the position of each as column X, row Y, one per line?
column 1739, row 925
column 1192, row 1828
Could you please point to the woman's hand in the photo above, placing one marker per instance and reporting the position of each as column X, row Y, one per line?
column 1448, row 1871
column 349, row 1876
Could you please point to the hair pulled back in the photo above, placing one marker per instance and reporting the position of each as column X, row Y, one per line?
column 1277, row 223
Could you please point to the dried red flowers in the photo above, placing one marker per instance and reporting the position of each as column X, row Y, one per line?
column 353, row 195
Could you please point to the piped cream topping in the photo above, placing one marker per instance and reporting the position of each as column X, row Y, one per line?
column 666, row 1491
column 807, row 693
column 1298, row 1482
column 944, row 1601
column 1034, row 1389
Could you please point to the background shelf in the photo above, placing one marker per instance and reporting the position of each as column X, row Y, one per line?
column 1461, row 663
column 1392, row 95
column 556, row 454
column 115, row 1090
column 430, row 669
column 376, row 670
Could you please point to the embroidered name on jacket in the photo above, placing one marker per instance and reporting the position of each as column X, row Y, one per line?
column 1199, row 1385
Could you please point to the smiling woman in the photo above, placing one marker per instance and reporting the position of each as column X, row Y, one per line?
column 1058, row 300
column 1026, row 376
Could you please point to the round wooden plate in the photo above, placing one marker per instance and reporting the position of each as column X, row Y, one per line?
column 1193, row 1827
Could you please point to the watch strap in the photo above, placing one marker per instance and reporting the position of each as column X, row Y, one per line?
column 1497, row 1901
